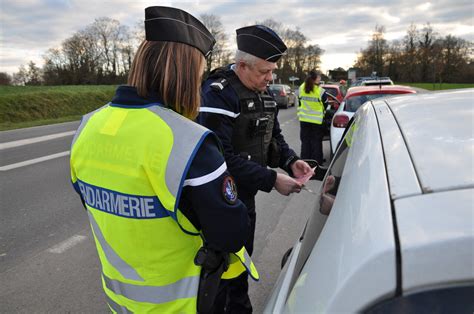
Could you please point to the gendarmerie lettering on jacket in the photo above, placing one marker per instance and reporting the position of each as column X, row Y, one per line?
column 120, row 204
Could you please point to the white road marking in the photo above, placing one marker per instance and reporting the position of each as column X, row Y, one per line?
column 33, row 161
column 35, row 140
column 67, row 244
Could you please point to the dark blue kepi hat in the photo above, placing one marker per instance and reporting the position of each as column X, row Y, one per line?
column 171, row 24
column 260, row 41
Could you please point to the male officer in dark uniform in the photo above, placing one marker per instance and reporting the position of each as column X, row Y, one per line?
column 238, row 108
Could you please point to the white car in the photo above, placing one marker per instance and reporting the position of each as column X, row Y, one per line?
column 354, row 98
column 399, row 235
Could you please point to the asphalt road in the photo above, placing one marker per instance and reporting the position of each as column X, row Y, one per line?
column 48, row 262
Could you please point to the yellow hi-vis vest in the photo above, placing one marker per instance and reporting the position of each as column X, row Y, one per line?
column 311, row 107
column 130, row 173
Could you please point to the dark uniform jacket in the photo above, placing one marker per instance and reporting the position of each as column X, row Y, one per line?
column 220, row 108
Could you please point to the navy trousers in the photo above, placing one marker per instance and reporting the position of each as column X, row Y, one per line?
column 311, row 136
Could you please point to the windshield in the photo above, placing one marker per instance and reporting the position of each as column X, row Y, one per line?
column 353, row 103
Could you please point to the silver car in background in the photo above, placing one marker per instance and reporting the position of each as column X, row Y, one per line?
column 283, row 95
column 393, row 227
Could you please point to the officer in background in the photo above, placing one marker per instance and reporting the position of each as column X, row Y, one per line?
column 238, row 108
column 162, row 205
column 311, row 110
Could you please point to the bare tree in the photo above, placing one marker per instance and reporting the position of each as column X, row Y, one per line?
column 410, row 51
column 20, row 77
column 455, row 56
column 372, row 58
column 34, row 74
column 107, row 31
column 220, row 53
column 5, row 78
column 394, row 59
column 425, row 52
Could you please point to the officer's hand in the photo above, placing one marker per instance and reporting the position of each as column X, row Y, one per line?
column 300, row 168
column 286, row 185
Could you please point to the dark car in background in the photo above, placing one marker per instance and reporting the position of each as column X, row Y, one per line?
column 283, row 95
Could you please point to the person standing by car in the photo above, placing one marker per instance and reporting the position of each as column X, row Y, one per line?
column 163, row 208
column 312, row 104
column 238, row 108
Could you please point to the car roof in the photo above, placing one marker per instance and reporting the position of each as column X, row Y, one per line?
column 438, row 132
column 428, row 146
column 378, row 89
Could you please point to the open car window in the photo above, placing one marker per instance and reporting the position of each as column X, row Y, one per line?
column 329, row 188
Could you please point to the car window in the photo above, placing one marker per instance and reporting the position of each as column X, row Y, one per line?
column 327, row 193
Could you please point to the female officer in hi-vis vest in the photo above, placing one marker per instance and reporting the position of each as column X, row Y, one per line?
column 155, row 185
column 312, row 102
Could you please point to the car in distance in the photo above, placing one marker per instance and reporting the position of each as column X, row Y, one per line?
column 354, row 98
column 392, row 228
column 283, row 95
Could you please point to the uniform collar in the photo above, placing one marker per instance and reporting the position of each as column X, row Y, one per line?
column 128, row 96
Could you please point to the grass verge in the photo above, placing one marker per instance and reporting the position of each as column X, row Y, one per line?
column 26, row 106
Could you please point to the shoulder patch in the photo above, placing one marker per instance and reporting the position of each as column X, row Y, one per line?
column 219, row 84
column 229, row 190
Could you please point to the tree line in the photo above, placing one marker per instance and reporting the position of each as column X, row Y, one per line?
column 102, row 53
column 421, row 56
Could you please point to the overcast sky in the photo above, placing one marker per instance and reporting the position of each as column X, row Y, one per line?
column 341, row 28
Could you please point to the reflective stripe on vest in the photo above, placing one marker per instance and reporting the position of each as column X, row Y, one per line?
column 112, row 257
column 311, row 108
column 184, row 288
column 114, row 306
column 180, row 154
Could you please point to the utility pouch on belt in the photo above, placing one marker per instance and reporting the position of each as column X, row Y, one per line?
column 258, row 126
column 213, row 264
column 273, row 159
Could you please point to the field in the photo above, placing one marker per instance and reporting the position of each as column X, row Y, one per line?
column 25, row 106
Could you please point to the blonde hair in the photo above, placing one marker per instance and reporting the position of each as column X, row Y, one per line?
column 173, row 71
